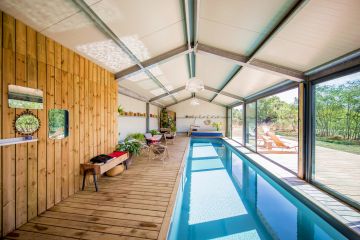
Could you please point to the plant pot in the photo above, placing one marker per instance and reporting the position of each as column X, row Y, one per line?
column 129, row 161
column 115, row 171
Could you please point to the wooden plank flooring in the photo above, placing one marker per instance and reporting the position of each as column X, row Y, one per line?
column 129, row 206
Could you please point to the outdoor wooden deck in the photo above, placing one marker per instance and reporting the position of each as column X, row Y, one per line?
column 130, row 206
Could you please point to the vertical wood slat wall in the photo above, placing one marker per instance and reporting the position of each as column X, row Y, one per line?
column 36, row 176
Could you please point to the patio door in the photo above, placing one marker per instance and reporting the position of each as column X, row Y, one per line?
column 336, row 134
column 250, row 129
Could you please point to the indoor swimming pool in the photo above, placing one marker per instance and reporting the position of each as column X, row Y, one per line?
column 224, row 196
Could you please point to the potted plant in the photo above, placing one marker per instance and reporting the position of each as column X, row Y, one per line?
column 217, row 125
column 137, row 136
column 133, row 147
column 154, row 132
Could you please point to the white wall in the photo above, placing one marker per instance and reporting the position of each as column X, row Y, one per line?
column 154, row 122
column 184, row 108
column 127, row 124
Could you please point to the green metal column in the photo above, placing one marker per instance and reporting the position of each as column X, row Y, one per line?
column 147, row 117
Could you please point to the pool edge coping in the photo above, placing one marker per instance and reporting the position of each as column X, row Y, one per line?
column 165, row 226
column 329, row 216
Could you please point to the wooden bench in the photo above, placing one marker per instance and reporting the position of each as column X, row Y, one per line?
column 96, row 168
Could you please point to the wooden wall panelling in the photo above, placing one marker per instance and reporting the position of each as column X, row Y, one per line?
column 58, row 145
column 90, row 109
column 65, row 141
column 21, row 149
column 86, row 110
column 106, row 109
column 95, row 122
column 71, row 133
column 42, row 114
column 50, row 104
column 81, row 115
column 114, row 112
column 98, row 109
column 76, row 90
column 58, row 105
column 31, row 62
column 1, row 133
column 102, row 111
column 8, row 114
column 36, row 176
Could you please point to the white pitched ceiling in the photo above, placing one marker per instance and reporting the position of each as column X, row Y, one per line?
column 212, row 70
column 224, row 100
column 206, row 94
column 174, row 72
column 182, row 95
column 321, row 31
column 238, row 25
column 249, row 81
column 148, row 28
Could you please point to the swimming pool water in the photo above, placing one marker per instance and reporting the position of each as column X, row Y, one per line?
column 223, row 196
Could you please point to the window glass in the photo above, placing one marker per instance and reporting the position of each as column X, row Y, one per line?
column 277, row 128
column 251, row 125
column 238, row 124
column 337, row 136
column 58, row 123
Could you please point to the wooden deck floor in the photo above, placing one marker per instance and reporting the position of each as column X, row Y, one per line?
column 130, row 206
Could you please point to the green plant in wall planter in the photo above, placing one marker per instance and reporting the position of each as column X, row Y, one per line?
column 164, row 118
column 120, row 110
column 217, row 125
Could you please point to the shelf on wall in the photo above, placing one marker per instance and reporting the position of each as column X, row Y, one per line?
column 18, row 140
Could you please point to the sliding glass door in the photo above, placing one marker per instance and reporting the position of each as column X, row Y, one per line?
column 336, row 159
column 277, row 128
column 238, row 124
column 250, row 130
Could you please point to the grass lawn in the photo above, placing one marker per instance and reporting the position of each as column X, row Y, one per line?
column 341, row 147
column 350, row 148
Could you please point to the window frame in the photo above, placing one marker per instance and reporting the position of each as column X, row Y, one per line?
column 311, row 118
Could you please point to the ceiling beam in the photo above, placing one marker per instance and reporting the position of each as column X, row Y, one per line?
column 183, row 100
column 261, row 65
column 277, row 88
column 242, row 60
column 208, row 100
column 129, row 93
column 235, row 104
column 277, row 28
column 162, row 58
column 232, row 75
column 216, row 91
column 165, row 95
column 339, row 64
column 191, row 13
column 107, row 31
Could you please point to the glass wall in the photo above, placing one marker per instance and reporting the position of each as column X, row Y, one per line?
column 336, row 160
column 238, row 124
column 250, row 129
column 277, row 128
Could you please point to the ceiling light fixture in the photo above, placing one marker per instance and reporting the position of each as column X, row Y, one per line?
column 194, row 102
column 194, row 85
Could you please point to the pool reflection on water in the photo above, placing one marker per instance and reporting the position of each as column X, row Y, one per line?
column 223, row 196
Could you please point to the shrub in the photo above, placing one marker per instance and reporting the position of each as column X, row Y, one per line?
column 154, row 132
column 137, row 136
column 133, row 147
